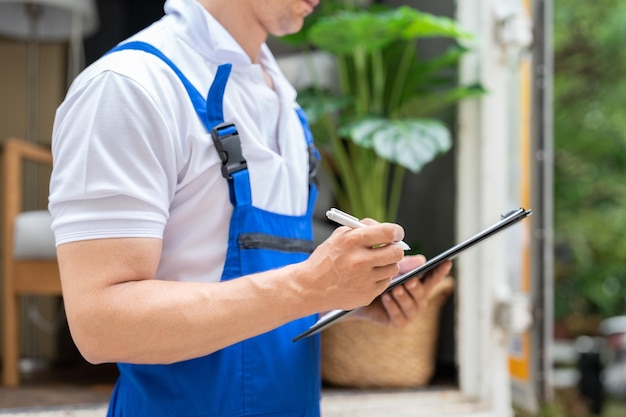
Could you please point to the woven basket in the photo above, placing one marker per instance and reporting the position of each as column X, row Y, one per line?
column 361, row 354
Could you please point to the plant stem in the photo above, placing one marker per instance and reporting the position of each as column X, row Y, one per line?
column 396, row 192
column 344, row 79
column 362, row 86
column 358, row 158
column 344, row 169
column 401, row 74
column 378, row 81
column 373, row 173
column 381, row 170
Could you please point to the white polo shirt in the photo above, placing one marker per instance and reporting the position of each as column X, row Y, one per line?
column 132, row 159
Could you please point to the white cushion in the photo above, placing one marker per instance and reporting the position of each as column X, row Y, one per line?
column 33, row 237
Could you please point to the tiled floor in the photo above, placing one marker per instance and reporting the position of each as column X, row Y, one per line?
column 78, row 385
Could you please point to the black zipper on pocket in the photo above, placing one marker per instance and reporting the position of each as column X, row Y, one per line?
column 278, row 243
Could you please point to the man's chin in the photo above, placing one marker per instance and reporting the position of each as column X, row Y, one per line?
column 295, row 27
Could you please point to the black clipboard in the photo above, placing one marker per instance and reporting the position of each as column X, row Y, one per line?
column 506, row 221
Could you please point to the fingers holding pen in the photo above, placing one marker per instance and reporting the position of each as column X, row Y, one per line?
column 354, row 267
column 352, row 222
column 364, row 247
column 375, row 235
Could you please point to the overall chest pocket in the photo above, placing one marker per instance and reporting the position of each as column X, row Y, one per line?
column 260, row 252
column 276, row 243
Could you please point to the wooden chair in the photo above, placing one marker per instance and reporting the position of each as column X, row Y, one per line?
column 29, row 260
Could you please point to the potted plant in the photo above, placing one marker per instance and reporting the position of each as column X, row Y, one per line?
column 381, row 120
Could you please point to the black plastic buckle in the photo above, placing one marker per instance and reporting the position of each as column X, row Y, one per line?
column 314, row 161
column 226, row 140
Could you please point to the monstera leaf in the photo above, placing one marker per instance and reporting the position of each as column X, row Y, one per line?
column 424, row 25
column 411, row 143
column 347, row 31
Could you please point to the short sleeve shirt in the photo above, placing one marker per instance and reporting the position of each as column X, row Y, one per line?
column 132, row 159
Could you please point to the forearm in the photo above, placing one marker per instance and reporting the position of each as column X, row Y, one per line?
column 150, row 321
column 118, row 312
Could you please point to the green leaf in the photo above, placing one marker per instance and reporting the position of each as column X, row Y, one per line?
column 411, row 143
column 345, row 31
column 422, row 25
column 589, row 158
column 370, row 30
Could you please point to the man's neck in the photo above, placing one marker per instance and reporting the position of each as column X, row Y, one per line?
column 238, row 20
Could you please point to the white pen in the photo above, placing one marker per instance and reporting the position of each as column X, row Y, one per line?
column 346, row 219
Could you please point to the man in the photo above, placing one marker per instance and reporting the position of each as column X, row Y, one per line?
column 181, row 199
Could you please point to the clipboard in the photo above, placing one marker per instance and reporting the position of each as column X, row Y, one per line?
column 506, row 221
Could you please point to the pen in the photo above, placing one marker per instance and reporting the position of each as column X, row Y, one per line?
column 346, row 219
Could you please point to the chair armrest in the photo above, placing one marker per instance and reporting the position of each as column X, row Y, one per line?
column 15, row 153
column 19, row 149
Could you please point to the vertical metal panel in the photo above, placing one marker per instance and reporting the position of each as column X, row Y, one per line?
column 530, row 359
column 543, row 265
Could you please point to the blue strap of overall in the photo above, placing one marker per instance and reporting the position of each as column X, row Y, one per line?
column 210, row 112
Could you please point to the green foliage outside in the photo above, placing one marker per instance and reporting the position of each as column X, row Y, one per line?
column 590, row 160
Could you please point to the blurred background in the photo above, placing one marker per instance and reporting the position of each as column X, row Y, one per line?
column 590, row 196
column 540, row 120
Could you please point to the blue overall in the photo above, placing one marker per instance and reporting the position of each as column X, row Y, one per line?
column 267, row 375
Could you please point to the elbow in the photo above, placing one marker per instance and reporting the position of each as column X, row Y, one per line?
column 104, row 336
column 90, row 339
column 93, row 356
column 91, row 349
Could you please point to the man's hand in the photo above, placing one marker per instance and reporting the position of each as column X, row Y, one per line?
column 405, row 302
column 352, row 267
